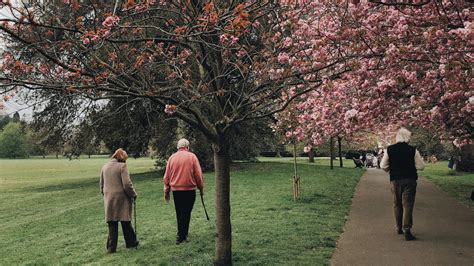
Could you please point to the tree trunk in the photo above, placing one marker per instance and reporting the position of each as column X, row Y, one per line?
column 340, row 151
column 331, row 149
column 311, row 155
column 223, row 236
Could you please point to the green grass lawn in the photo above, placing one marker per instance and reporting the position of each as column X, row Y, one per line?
column 458, row 184
column 51, row 212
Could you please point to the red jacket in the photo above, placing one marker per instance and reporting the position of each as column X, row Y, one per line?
column 183, row 172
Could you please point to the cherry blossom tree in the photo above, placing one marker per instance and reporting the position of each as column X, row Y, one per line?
column 407, row 63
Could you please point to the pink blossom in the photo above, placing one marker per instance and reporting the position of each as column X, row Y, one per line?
column 111, row 21
column 350, row 114
column 233, row 39
column 283, row 57
column 223, row 38
column 287, row 42
column 170, row 108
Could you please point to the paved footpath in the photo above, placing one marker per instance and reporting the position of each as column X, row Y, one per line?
column 443, row 226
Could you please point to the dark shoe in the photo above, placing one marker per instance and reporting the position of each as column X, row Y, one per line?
column 134, row 245
column 110, row 251
column 409, row 236
column 180, row 240
column 400, row 231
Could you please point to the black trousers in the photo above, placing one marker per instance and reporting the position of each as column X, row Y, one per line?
column 128, row 235
column 183, row 204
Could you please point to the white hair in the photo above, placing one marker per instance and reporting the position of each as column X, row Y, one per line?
column 403, row 135
column 183, row 143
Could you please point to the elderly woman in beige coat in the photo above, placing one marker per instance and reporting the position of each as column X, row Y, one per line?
column 118, row 191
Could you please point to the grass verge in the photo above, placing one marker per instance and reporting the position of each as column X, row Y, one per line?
column 458, row 184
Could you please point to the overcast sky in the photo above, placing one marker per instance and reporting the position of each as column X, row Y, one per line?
column 13, row 106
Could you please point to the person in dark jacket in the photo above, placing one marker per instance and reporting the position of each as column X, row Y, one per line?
column 402, row 161
column 117, row 188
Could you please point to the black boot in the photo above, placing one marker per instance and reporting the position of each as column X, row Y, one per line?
column 179, row 239
column 409, row 236
column 129, row 235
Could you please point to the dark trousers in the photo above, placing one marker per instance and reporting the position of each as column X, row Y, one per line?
column 404, row 192
column 128, row 234
column 183, row 204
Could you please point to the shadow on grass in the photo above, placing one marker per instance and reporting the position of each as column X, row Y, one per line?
column 88, row 183
column 315, row 197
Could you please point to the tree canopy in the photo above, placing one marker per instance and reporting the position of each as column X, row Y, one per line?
column 13, row 142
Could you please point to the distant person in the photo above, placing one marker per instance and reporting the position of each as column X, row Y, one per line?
column 451, row 162
column 402, row 161
column 358, row 163
column 363, row 157
column 379, row 157
column 375, row 161
column 183, row 174
column 118, row 191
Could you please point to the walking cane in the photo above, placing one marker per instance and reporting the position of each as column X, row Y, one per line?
column 135, row 219
column 204, row 205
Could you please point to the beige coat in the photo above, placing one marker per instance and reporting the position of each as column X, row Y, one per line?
column 117, row 188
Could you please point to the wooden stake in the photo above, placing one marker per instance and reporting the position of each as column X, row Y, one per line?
column 299, row 186
column 294, row 189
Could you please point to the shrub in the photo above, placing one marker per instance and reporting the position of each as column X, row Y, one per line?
column 268, row 153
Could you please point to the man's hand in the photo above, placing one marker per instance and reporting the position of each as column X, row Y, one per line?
column 167, row 197
column 201, row 191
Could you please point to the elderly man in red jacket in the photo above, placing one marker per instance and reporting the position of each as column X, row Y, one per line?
column 183, row 174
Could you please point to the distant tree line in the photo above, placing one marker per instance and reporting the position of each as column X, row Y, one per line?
column 144, row 130
column 138, row 126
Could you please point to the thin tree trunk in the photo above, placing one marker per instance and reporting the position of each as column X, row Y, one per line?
column 223, row 236
column 331, row 149
column 311, row 155
column 340, row 151
column 294, row 157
